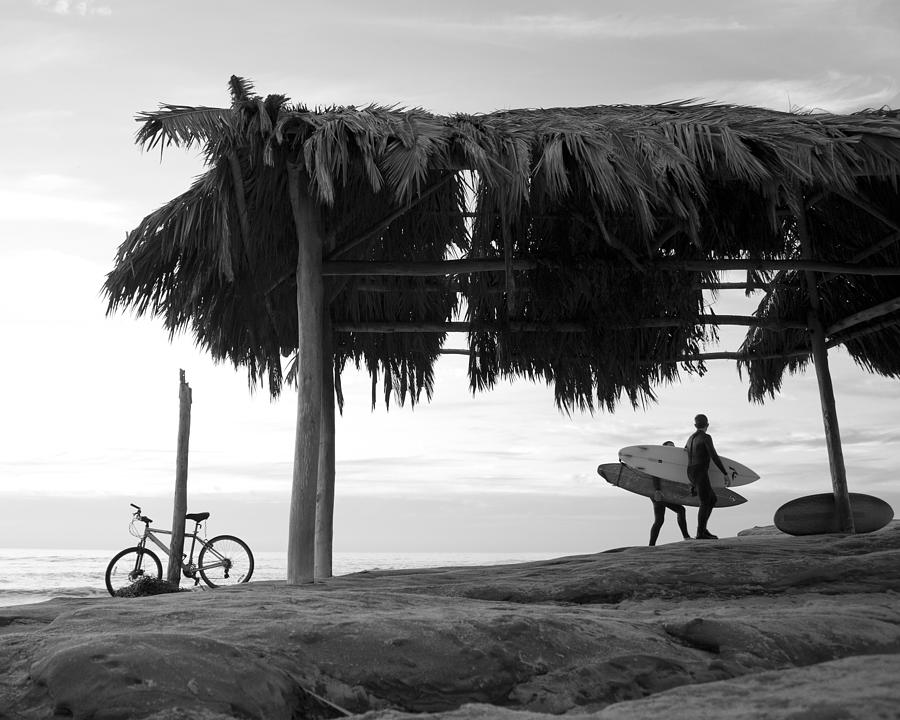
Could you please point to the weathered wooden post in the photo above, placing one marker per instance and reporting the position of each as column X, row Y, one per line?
column 826, row 388
column 310, row 304
column 325, row 491
column 176, row 546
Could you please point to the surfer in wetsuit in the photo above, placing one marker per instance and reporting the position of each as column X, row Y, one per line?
column 659, row 511
column 700, row 451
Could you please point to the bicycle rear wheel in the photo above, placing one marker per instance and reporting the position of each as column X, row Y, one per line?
column 225, row 560
column 129, row 566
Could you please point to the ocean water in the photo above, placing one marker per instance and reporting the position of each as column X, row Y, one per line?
column 34, row 575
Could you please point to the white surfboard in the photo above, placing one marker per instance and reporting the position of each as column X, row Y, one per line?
column 670, row 463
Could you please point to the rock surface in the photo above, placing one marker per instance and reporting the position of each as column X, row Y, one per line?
column 759, row 626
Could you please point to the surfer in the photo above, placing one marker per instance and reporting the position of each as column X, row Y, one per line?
column 700, row 451
column 659, row 511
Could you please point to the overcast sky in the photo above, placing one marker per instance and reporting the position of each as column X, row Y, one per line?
column 90, row 403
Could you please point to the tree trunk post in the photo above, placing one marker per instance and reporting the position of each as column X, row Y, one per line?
column 325, row 492
column 826, row 388
column 176, row 546
column 310, row 302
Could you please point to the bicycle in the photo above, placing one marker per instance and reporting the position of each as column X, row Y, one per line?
column 223, row 560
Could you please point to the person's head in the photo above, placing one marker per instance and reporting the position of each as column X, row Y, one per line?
column 701, row 421
column 669, row 443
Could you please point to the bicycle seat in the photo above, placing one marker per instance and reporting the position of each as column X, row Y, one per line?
column 196, row 517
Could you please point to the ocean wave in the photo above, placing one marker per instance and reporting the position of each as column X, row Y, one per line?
column 88, row 591
column 84, row 591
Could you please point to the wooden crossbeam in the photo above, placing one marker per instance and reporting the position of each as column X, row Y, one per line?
column 423, row 269
column 698, row 357
column 462, row 267
column 734, row 286
column 573, row 327
column 793, row 264
column 454, row 286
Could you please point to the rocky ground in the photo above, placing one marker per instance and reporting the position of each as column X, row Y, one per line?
column 760, row 626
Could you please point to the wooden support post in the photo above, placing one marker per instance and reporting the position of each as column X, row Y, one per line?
column 176, row 546
column 325, row 490
column 826, row 389
column 310, row 302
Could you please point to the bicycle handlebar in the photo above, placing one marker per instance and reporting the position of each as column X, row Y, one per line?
column 137, row 514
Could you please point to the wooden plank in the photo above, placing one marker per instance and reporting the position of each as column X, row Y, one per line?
column 310, row 304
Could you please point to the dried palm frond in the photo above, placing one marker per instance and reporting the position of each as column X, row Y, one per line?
column 597, row 196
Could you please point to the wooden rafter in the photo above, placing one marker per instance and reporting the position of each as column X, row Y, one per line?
column 868, row 330
column 385, row 222
column 862, row 316
column 883, row 244
column 864, row 204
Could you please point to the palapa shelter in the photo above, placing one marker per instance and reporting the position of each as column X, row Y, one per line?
column 571, row 245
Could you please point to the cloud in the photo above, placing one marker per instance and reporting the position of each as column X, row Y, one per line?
column 54, row 197
column 569, row 26
column 827, row 91
column 29, row 54
column 81, row 8
column 615, row 26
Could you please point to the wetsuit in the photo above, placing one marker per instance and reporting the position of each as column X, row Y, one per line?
column 659, row 517
column 700, row 452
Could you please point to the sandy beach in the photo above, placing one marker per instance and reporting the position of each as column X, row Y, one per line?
column 759, row 626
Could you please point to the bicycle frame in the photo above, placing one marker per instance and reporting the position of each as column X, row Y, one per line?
column 150, row 534
column 188, row 568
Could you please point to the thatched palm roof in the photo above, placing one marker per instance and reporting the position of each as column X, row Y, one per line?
column 846, row 234
column 594, row 203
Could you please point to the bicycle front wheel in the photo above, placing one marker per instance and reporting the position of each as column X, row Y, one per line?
column 225, row 560
column 129, row 566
